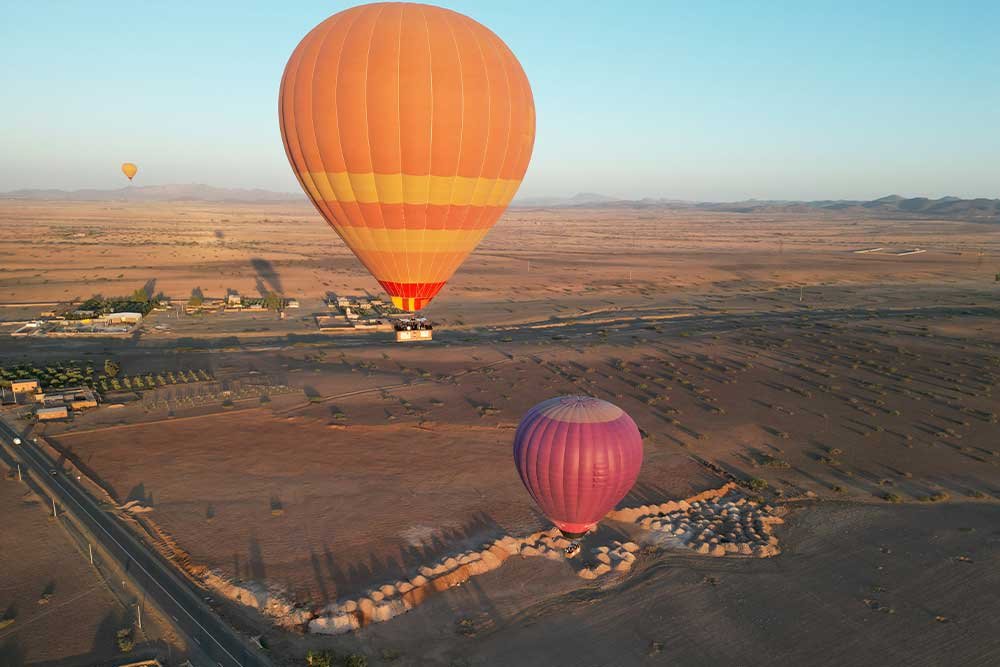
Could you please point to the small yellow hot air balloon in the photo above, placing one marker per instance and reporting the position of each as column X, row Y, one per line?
column 129, row 170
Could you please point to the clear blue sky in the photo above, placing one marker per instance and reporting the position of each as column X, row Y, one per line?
column 692, row 100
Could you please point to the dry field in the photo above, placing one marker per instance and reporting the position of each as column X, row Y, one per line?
column 535, row 264
column 857, row 389
column 55, row 608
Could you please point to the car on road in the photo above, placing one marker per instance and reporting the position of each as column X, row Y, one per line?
column 53, row 472
column 17, row 441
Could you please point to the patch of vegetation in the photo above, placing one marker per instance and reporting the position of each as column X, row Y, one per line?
column 892, row 498
column 138, row 302
column 197, row 298
column 273, row 302
column 756, row 484
column 319, row 659
column 772, row 461
column 125, row 640
column 77, row 373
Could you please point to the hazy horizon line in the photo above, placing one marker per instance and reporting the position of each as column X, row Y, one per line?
column 525, row 196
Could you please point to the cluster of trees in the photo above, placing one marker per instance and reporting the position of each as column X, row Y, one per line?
column 151, row 381
column 197, row 298
column 139, row 302
column 62, row 374
column 271, row 301
column 72, row 374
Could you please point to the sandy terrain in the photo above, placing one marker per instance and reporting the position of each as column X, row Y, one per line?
column 855, row 585
column 544, row 261
column 856, row 388
column 60, row 611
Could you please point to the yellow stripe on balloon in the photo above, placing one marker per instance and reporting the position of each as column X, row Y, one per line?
column 418, row 240
column 411, row 267
column 371, row 188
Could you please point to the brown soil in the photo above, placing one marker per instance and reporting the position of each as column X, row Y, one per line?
column 747, row 347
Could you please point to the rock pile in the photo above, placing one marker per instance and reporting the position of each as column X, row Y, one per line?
column 730, row 524
column 270, row 601
column 616, row 558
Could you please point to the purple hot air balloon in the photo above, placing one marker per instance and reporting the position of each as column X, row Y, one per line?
column 577, row 456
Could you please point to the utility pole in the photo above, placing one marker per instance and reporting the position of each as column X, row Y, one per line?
column 138, row 609
column 800, row 293
column 90, row 548
column 19, row 473
column 54, row 513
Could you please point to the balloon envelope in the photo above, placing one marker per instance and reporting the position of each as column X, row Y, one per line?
column 577, row 456
column 410, row 128
column 129, row 170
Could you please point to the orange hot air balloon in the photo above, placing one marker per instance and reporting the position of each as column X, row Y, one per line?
column 410, row 127
column 129, row 170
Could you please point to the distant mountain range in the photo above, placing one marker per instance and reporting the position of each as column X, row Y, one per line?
column 581, row 199
column 152, row 193
column 983, row 210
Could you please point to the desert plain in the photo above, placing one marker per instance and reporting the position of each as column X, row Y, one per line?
column 848, row 396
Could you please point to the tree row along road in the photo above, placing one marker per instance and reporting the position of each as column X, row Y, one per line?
column 148, row 571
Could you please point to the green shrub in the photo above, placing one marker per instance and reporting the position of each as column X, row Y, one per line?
column 319, row 659
column 125, row 640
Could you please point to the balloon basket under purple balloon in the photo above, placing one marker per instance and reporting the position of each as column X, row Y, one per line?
column 573, row 536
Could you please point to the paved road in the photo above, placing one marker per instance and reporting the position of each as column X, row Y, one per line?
column 148, row 571
column 625, row 321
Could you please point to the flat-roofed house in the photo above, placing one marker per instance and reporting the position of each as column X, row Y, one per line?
column 75, row 398
column 27, row 386
column 45, row 414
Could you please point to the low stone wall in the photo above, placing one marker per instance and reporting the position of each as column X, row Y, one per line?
column 717, row 522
